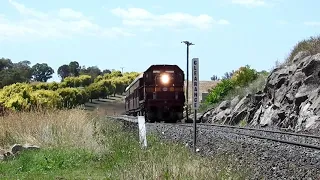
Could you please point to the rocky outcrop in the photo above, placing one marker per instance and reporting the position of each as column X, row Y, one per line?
column 15, row 150
column 290, row 99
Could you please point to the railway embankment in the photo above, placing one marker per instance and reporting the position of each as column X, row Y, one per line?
column 264, row 158
column 289, row 99
column 258, row 154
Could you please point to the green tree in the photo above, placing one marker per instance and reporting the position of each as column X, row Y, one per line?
column 24, row 69
column 63, row 71
column 5, row 64
column 42, row 72
column 92, row 71
column 106, row 71
column 74, row 68
column 214, row 78
column 11, row 73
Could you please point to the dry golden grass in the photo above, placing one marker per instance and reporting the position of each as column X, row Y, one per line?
column 311, row 46
column 111, row 152
column 52, row 128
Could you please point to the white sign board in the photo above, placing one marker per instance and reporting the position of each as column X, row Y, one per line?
column 142, row 131
column 195, row 82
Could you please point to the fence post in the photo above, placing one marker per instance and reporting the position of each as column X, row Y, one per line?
column 142, row 131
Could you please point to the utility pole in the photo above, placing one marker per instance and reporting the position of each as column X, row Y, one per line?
column 187, row 94
column 122, row 70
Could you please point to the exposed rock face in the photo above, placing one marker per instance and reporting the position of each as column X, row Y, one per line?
column 290, row 98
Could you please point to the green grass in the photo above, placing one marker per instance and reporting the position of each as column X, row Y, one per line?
column 122, row 158
column 49, row 163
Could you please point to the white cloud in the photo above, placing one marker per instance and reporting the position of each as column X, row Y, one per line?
column 143, row 18
column 62, row 23
column 70, row 13
column 250, row 3
column 312, row 23
column 27, row 11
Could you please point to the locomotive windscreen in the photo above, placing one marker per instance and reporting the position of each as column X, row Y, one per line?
column 164, row 75
column 167, row 78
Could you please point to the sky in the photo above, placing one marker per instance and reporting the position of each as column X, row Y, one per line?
column 136, row 34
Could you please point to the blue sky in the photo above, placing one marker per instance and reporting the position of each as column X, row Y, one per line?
column 135, row 34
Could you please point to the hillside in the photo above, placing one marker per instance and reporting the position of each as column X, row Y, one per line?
column 288, row 98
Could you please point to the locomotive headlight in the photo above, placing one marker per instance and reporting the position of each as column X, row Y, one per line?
column 165, row 78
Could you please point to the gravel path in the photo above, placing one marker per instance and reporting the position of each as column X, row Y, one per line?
column 266, row 159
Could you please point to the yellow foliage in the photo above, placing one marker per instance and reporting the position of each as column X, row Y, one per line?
column 46, row 98
column 24, row 96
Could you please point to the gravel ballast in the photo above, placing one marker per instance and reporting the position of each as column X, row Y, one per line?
column 266, row 159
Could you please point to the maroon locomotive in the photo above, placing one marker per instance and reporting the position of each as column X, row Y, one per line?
column 157, row 94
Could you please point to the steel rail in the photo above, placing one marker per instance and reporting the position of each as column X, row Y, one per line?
column 254, row 129
column 261, row 137
column 263, row 130
column 208, row 126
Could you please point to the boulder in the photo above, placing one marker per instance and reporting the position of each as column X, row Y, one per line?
column 4, row 154
column 15, row 150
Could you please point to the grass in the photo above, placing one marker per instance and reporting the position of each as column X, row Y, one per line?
column 79, row 144
column 311, row 46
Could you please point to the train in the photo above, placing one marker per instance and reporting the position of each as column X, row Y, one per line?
column 157, row 94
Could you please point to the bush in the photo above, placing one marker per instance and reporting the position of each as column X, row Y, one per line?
column 240, row 78
column 18, row 102
column 244, row 75
column 220, row 91
column 311, row 46
column 46, row 99
column 16, row 96
column 53, row 86
column 82, row 80
column 70, row 97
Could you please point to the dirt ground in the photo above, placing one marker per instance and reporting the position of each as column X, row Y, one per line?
column 110, row 106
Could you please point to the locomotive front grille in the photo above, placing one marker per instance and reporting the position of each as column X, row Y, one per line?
column 165, row 95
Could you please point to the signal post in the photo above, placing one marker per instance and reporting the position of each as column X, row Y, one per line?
column 195, row 97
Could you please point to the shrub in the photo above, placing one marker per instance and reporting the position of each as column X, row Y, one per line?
column 82, row 80
column 69, row 97
column 220, row 91
column 44, row 86
column 46, row 99
column 244, row 75
column 311, row 46
column 82, row 96
column 16, row 96
column 93, row 90
column 53, row 86
column 18, row 102
column 240, row 78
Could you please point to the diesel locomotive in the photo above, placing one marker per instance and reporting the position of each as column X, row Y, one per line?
column 157, row 93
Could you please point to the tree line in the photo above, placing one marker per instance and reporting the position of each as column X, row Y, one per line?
column 25, row 88
column 22, row 72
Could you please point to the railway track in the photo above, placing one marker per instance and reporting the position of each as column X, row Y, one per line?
column 297, row 139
